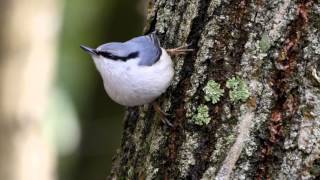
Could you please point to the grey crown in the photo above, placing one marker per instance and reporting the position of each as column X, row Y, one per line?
column 147, row 48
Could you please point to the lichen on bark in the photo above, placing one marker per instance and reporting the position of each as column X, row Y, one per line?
column 273, row 46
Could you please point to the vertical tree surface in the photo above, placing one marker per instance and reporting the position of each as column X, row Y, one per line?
column 266, row 123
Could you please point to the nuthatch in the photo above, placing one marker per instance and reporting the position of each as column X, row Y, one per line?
column 135, row 72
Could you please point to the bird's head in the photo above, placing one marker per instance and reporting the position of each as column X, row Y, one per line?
column 113, row 52
column 145, row 50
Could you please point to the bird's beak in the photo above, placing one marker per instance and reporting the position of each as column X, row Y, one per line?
column 89, row 50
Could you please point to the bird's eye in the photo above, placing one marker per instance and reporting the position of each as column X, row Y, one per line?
column 104, row 54
column 116, row 57
column 133, row 55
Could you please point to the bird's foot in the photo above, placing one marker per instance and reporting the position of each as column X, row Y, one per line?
column 180, row 50
column 163, row 115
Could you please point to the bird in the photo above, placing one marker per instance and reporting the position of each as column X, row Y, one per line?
column 137, row 71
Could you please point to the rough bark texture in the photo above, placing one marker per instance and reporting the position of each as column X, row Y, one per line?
column 274, row 46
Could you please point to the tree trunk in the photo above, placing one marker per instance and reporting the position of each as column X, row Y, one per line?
column 27, row 50
column 266, row 125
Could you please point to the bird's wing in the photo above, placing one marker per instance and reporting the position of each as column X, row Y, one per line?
column 148, row 47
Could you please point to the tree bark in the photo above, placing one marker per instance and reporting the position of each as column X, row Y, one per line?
column 274, row 48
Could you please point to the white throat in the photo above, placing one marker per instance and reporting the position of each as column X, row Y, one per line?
column 130, row 84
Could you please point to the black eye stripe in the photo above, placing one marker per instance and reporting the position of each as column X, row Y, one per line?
column 115, row 57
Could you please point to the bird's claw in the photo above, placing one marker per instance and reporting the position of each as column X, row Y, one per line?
column 166, row 121
column 180, row 50
column 163, row 115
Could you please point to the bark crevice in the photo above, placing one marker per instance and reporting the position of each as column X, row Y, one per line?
column 268, row 44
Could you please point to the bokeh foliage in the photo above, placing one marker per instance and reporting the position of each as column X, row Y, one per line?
column 92, row 23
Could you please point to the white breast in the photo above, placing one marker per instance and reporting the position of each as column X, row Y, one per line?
column 129, row 84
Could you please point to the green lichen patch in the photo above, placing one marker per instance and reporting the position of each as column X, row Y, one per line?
column 239, row 90
column 233, row 83
column 264, row 43
column 213, row 92
column 202, row 117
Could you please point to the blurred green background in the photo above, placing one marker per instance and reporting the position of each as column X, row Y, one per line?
column 89, row 117
column 56, row 121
